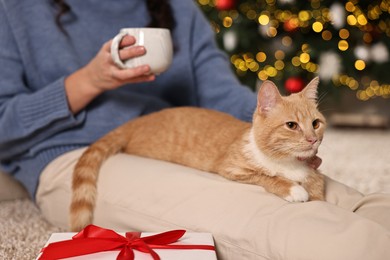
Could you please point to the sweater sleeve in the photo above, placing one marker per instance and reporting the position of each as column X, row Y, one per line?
column 217, row 86
column 27, row 115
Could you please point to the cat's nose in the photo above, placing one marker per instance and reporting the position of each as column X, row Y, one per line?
column 312, row 140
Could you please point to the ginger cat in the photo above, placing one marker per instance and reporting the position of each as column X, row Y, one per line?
column 270, row 152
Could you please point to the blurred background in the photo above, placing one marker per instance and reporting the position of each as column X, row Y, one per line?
column 290, row 42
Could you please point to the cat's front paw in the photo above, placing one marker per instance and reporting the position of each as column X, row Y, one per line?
column 297, row 194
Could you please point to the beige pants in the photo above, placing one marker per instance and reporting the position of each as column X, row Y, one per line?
column 246, row 222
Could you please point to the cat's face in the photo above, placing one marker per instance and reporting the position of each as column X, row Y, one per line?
column 288, row 127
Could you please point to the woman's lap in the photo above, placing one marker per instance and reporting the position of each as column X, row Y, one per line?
column 246, row 222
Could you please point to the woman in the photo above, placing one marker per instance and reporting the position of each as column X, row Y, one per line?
column 60, row 91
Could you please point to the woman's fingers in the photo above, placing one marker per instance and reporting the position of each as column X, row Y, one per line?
column 129, row 75
column 127, row 41
column 127, row 50
column 131, row 52
column 137, row 79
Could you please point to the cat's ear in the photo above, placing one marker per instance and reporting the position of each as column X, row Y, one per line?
column 311, row 90
column 268, row 97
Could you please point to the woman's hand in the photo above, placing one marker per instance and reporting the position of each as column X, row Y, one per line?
column 314, row 162
column 105, row 75
column 102, row 74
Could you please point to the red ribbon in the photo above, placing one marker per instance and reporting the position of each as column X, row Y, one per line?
column 93, row 239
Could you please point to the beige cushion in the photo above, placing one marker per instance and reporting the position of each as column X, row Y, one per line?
column 10, row 188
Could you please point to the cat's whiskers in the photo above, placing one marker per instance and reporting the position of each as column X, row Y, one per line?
column 321, row 98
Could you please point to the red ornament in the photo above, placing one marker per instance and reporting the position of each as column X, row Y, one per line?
column 294, row 84
column 225, row 4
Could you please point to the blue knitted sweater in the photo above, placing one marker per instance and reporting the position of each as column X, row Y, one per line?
column 36, row 125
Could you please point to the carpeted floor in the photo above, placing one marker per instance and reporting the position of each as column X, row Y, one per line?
column 359, row 158
column 23, row 231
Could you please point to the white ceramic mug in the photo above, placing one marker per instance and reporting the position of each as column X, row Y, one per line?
column 158, row 45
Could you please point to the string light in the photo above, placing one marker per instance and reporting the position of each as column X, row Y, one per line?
column 344, row 34
column 286, row 41
column 263, row 19
column 351, row 20
column 279, row 55
column 304, row 16
column 362, row 20
column 227, row 21
column 261, row 56
column 296, row 61
column 326, row 35
column 279, row 65
column 304, row 58
column 204, row 2
column 343, row 45
column 317, row 27
column 360, row 65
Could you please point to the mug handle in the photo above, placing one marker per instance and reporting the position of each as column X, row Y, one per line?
column 115, row 49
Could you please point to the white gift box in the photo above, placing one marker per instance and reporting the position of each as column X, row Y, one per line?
column 165, row 254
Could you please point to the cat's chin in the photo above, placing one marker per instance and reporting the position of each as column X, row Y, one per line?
column 307, row 156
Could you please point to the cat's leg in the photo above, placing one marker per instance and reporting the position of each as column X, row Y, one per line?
column 284, row 188
column 315, row 186
column 280, row 186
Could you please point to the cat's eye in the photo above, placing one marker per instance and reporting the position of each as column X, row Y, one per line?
column 292, row 125
column 316, row 124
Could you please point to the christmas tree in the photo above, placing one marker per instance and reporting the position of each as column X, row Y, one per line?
column 289, row 42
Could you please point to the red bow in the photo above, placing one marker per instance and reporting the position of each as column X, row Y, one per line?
column 93, row 239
